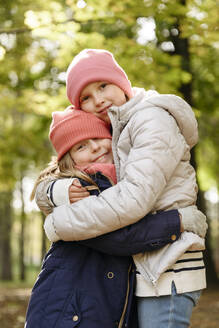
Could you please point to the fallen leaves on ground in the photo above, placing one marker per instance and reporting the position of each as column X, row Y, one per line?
column 13, row 305
column 206, row 313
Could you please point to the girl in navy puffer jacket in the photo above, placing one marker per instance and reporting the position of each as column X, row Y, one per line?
column 91, row 283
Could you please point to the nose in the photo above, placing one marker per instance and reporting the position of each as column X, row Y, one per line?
column 98, row 99
column 94, row 145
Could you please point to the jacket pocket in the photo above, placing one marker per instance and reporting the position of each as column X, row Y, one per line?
column 83, row 310
column 71, row 315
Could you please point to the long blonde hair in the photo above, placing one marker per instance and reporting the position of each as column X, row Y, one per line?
column 64, row 168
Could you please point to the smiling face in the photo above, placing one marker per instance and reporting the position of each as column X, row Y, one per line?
column 92, row 151
column 98, row 97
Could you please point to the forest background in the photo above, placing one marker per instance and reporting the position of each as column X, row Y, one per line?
column 170, row 46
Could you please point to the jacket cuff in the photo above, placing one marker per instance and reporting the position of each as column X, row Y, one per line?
column 174, row 225
column 50, row 230
column 59, row 191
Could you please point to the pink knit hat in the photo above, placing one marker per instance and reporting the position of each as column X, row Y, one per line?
column 72, row 126
column 94, row 65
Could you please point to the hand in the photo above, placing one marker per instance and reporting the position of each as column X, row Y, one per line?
column 193, row 220
column 76, row 192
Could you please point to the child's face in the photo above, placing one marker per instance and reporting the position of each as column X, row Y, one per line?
column 98, row 97
column 92, row 151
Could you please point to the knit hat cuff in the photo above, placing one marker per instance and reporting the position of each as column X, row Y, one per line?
column 93, row 65
column 71, row 130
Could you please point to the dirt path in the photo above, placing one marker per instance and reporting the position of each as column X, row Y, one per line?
column 13, row 303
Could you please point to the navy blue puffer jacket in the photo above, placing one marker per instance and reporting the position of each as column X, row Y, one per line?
column 90, row 284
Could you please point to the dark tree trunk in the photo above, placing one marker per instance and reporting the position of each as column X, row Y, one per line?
column 208, row 254
column 182, row 49
column 5, row 235
column 22, row 269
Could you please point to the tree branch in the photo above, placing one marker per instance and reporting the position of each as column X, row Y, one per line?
column 24, row 29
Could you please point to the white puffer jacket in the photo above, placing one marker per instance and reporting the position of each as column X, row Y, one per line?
column 152, row 138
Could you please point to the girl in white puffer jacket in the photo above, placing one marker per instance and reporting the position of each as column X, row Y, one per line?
column 152, row 138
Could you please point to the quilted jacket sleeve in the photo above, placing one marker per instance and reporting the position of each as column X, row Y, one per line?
column 157, row 148
column 150, row 233
column 42, row 191
column 51, row 193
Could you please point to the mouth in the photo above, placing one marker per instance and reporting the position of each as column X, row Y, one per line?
column 100, row 158
column 104, row 110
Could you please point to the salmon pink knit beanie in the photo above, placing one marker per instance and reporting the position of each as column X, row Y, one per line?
column 94, row 65
column 72, row 126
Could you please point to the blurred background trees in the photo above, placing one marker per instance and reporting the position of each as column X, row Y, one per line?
column 170, row 46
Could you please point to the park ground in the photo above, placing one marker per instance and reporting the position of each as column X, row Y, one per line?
column 13, row 303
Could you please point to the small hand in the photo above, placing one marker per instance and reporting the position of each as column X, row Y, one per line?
column 193, row 220
column 76, row 192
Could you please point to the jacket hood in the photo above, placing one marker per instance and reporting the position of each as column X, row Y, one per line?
column 175, row 105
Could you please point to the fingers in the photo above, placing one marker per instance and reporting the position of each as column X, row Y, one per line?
column 77, row 192
column 74, row 200
column 77, row 189
column 77, row 183
column 75, row 197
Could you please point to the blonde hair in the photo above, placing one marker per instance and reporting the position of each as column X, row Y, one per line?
column 64, row 168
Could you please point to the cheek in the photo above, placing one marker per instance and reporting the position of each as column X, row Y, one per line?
column 110, row 157
column 108, row 144
column 76, row 157
column 79, row 160
column 88, row 107
column 122, row 99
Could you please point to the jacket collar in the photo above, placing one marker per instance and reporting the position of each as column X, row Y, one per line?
column 176, row 106
column 126, row 111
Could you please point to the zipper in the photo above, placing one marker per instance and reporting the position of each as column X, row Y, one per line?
column 147, row 276
column 126, row 300
column 115, row 138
